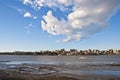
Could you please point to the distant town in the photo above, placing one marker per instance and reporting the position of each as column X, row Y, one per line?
column 62, row 52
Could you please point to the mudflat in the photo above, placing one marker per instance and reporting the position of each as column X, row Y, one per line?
column 57, row 72
column 106, row 67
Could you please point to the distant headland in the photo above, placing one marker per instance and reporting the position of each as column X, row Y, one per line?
column 62, row 52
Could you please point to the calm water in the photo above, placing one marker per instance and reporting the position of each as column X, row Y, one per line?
column 70, row 64
column 62, row 59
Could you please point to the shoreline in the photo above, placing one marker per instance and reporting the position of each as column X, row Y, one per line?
column 11, row 75
column 59, row 55
column 58, row 72
column 59, row 68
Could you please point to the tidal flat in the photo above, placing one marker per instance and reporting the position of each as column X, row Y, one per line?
column 60, row 67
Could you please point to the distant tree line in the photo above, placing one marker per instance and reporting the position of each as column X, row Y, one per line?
column 64, row 52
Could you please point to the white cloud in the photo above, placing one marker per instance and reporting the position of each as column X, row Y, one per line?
column 87, row 17
column 27, row 1
column 28, row 26
column 27, row 14
column 37, row 4
column 35, row 17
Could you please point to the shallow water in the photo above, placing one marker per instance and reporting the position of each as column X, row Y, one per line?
column 100, row 65
column 91, row 59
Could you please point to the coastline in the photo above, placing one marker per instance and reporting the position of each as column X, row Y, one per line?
column 9, row 75
column 58, row 72
column 29, row 67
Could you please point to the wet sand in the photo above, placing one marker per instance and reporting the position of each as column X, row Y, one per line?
column 11, row 75
column 58, row 72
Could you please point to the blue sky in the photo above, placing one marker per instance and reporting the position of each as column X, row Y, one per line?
column 26, row 33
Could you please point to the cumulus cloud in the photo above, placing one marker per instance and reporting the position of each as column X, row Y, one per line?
column 87, row 16
column 27, row 14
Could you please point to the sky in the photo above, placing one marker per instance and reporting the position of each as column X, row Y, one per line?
column 34, row 25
